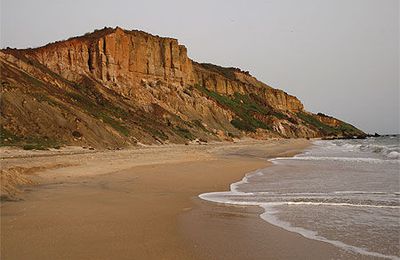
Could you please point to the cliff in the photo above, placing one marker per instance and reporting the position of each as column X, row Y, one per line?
column 114, row 87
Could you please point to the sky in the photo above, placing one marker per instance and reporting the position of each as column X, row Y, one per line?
column 339, row 57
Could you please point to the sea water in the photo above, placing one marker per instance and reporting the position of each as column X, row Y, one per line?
column 344, row 192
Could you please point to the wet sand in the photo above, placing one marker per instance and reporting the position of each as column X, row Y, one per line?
column 144, row 205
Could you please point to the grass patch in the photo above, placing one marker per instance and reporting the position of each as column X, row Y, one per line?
column 199, row 124
column 8, row 139
column 157, row 133
column 27, row 143
column 245, row 107
column 106, row 111
column 40, row 143
column 344, row 129
column 183, row 132
column 349, row 129
column 242, row 125
column 113, row 123
column 313, row 121
column 41, row 97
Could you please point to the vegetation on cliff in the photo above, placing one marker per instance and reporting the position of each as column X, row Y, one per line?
column 114, row 88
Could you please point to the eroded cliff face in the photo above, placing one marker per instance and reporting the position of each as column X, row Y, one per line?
column 130, row 58
column 116, row 87
column 227, row 81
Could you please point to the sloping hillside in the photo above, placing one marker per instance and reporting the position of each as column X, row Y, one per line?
column 114, row 88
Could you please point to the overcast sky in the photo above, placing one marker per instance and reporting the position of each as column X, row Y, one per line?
column 340, row 57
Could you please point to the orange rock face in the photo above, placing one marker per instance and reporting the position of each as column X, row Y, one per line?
column 136, row 87
column 116, row 56
column 127, row 58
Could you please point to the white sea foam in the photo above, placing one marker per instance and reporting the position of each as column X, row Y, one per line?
column 339, row 204
column 234, row 186
column 393, row 155
column 226, row 198
column 348, row 200
column 387, row 149
column 343, row 159
column 269, row 216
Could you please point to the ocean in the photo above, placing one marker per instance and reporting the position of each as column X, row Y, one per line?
column 343, row 192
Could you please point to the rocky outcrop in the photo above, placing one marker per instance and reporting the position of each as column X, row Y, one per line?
column 116, row 55
column 116, row 87
column 328, row 120
column 128, row 58
column 228, row 81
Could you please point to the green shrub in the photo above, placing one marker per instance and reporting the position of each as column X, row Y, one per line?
column 232, row 135
column 183, row 132
column 106, row 112
column 313, row 121
column 245, row 107
column 242, row 125
column 33, row 147
column 7, row 138
column 158, row 134
column 199, row 124
column 27, row 143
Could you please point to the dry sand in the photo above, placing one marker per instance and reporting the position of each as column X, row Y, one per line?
column 143, row 204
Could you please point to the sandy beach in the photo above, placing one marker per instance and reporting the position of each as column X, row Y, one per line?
column 143, row 204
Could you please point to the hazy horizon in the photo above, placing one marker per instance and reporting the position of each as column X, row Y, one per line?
column 338, row 57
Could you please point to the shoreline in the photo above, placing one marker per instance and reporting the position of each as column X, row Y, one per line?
column 255, row 213
column 145, row 204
